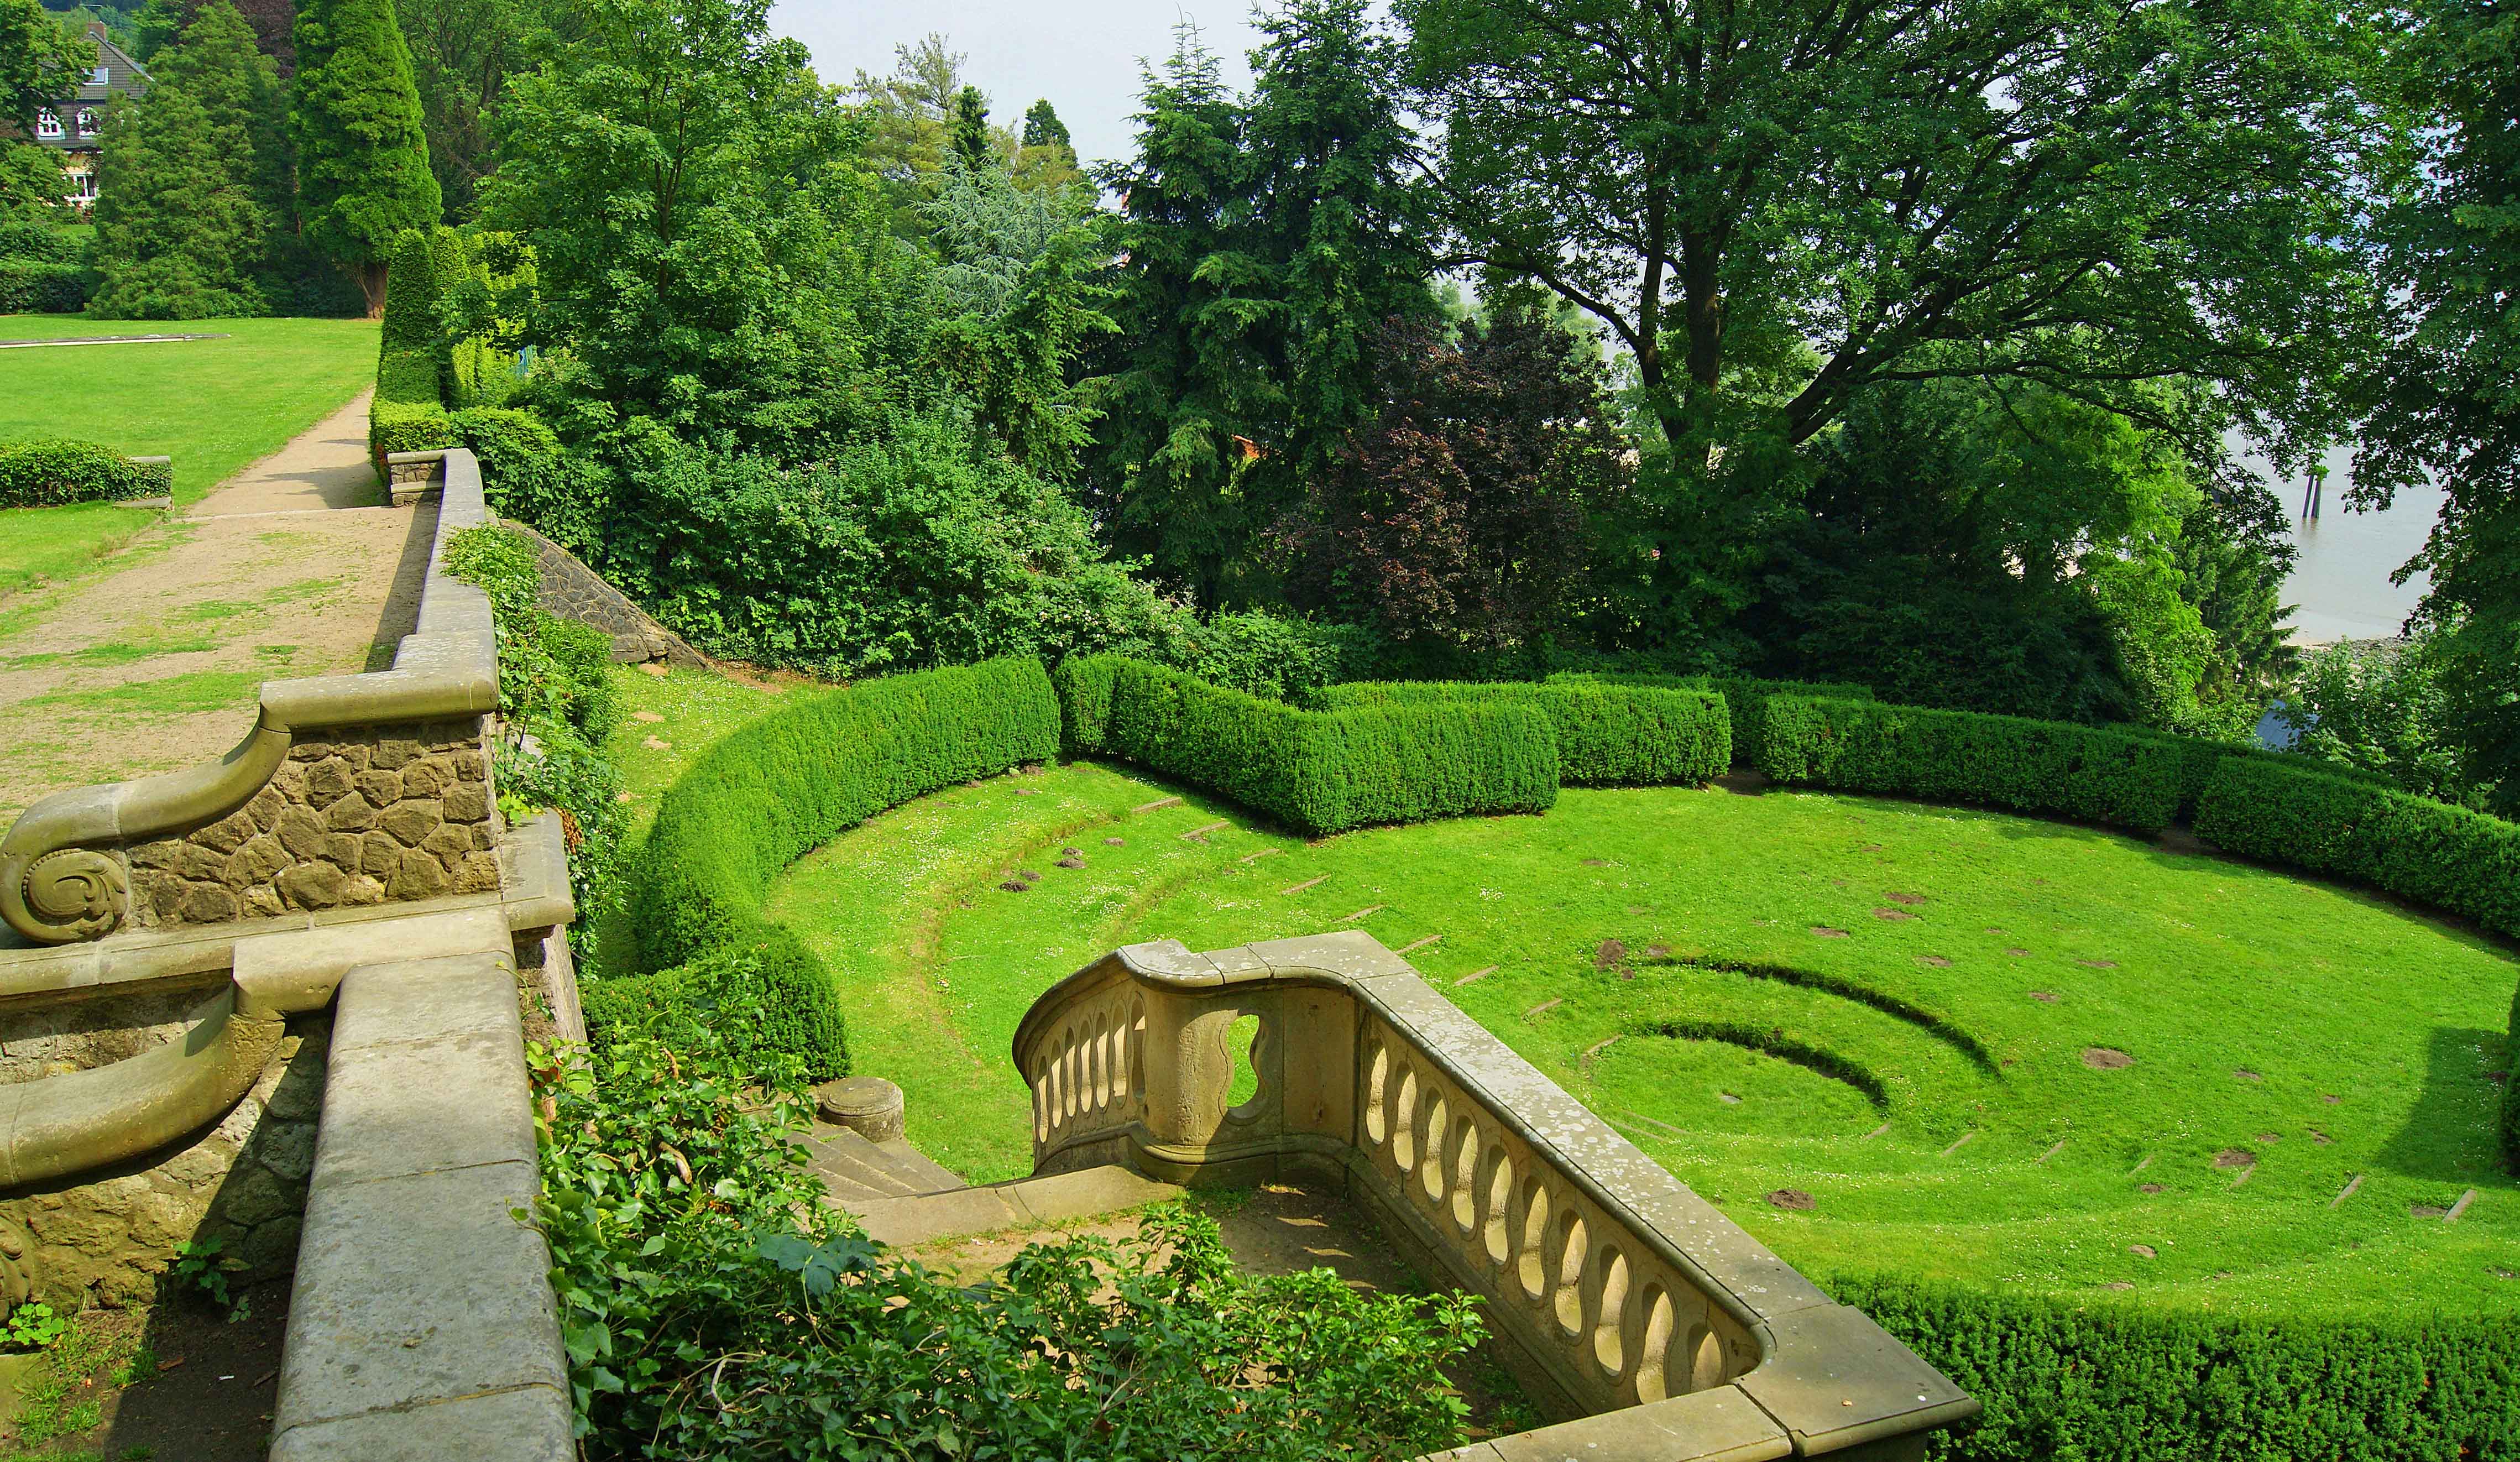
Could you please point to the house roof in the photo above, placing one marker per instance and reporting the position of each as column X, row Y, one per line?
column 123, row 76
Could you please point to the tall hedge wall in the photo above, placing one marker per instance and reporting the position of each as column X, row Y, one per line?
column 408, row 413
column 2062, row 1380
column 1608, row 735
column 1745, row 696
column 2054, row 767
column 2431, row 852
column 781, row 787
column 1316, row 771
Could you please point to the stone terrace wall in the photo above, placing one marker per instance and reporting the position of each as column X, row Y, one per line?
column 105, row 1238
column 574, row 591
column 362, row 816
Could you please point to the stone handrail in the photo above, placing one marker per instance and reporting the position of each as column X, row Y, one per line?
column 1625, row 1301
column 65, row 864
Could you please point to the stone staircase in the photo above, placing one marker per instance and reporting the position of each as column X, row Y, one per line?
column 900, row 1196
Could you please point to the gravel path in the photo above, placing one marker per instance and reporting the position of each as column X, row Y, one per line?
column 290, row 568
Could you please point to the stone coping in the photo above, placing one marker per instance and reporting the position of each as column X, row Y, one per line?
column 1823, row 1378
column 62, row 879
column 533, row 895
column 422, row 1323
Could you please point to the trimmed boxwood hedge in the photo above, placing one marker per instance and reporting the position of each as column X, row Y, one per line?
column 1608, row 734
column 44, row 287
column 1315, row 771
column 48, row 473
column 408, row 413
column 2062, row 1380
column 2431, row 852
column 781, row 787
column 2086, row 772
column 1745, row 696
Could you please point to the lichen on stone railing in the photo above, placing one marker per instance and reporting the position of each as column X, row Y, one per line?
column 1621, row 1299
column 348, row 789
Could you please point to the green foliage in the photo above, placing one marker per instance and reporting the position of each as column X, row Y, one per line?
column 2443, row 857
column 408, row 413
column 2049, row 767
column 44, row 287
column 696, row 1266
column 199, row 1268
column 45, row 474
column 2511, row 1089
column 764, row 993
column 32, row 1326
column 782, row 786
column 1265, row 241
column 1315, row 771
column 518, row 452
column 40, row 63
column 363, row 175
column 2445, row 398
column 558, row 701
column 1745, row 698
column 2089, row 1381
column 192, row 220
column 2381, row 708
column 1266, row 654
column 1608, row 734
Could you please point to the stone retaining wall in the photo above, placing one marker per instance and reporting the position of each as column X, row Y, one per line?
column 107, row 1239
column 361, row 816
column 574, row 591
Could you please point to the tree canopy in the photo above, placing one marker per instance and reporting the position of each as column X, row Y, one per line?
column 363, row 173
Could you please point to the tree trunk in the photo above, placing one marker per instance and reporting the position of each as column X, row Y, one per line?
column 372, row 280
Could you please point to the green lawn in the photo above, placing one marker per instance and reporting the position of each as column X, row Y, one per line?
column 214, row 406
column 1924, row 1074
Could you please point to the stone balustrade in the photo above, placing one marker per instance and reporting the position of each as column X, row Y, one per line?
column 1622, row 1301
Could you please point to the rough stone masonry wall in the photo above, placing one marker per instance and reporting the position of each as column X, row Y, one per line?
column 106, row 1238
column 574, row 591
column 362, row 816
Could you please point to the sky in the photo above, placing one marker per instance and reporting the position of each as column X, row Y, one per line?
column 1083, row 55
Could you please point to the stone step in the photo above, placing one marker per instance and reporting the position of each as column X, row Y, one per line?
column 849, row 1164
column 888, row 1169
column 1024, row 1202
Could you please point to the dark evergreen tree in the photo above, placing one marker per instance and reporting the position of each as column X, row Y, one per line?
column 969, row 130
column 1336, row 213
column 194, row 187
column 1192, row 382
column 1043, row 128
column 1265, row 244
column 362, row 154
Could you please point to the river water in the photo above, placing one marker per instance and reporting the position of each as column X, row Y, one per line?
column 2341, row 584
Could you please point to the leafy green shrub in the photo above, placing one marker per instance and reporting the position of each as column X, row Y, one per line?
column 1272, row 656
column 2051, row 767
column 768, row 977
column 42, row 473
column 517, row 451
column 712, row 1308
column 408, row 413
column 2446, row 857
column 557, row 702
column 2511, row 1089
column 37, row 287
column 1744, row 695
column 1316, row 771
column 2062, row 1380
column 1608, row 735
column 2199, row 757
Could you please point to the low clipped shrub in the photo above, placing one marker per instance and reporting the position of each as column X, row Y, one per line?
column 1745, row 696
column 2511, row 1089
column 780, row 990
column 407, row 427
column 784, row 786
column 2058, row 768
column 1608, row 734
column 1313, row 771
column 2199, row 758
column 2063, row 1380
column 44, row 287
column 2462, row 863
column 46, row 473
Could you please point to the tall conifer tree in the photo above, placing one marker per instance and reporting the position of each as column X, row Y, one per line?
column 362, row 155
column 194, row 186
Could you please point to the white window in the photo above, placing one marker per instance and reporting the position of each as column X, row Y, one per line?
column 48, row 123
column 82, row 188
column 100, row 75
column 87, row 121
